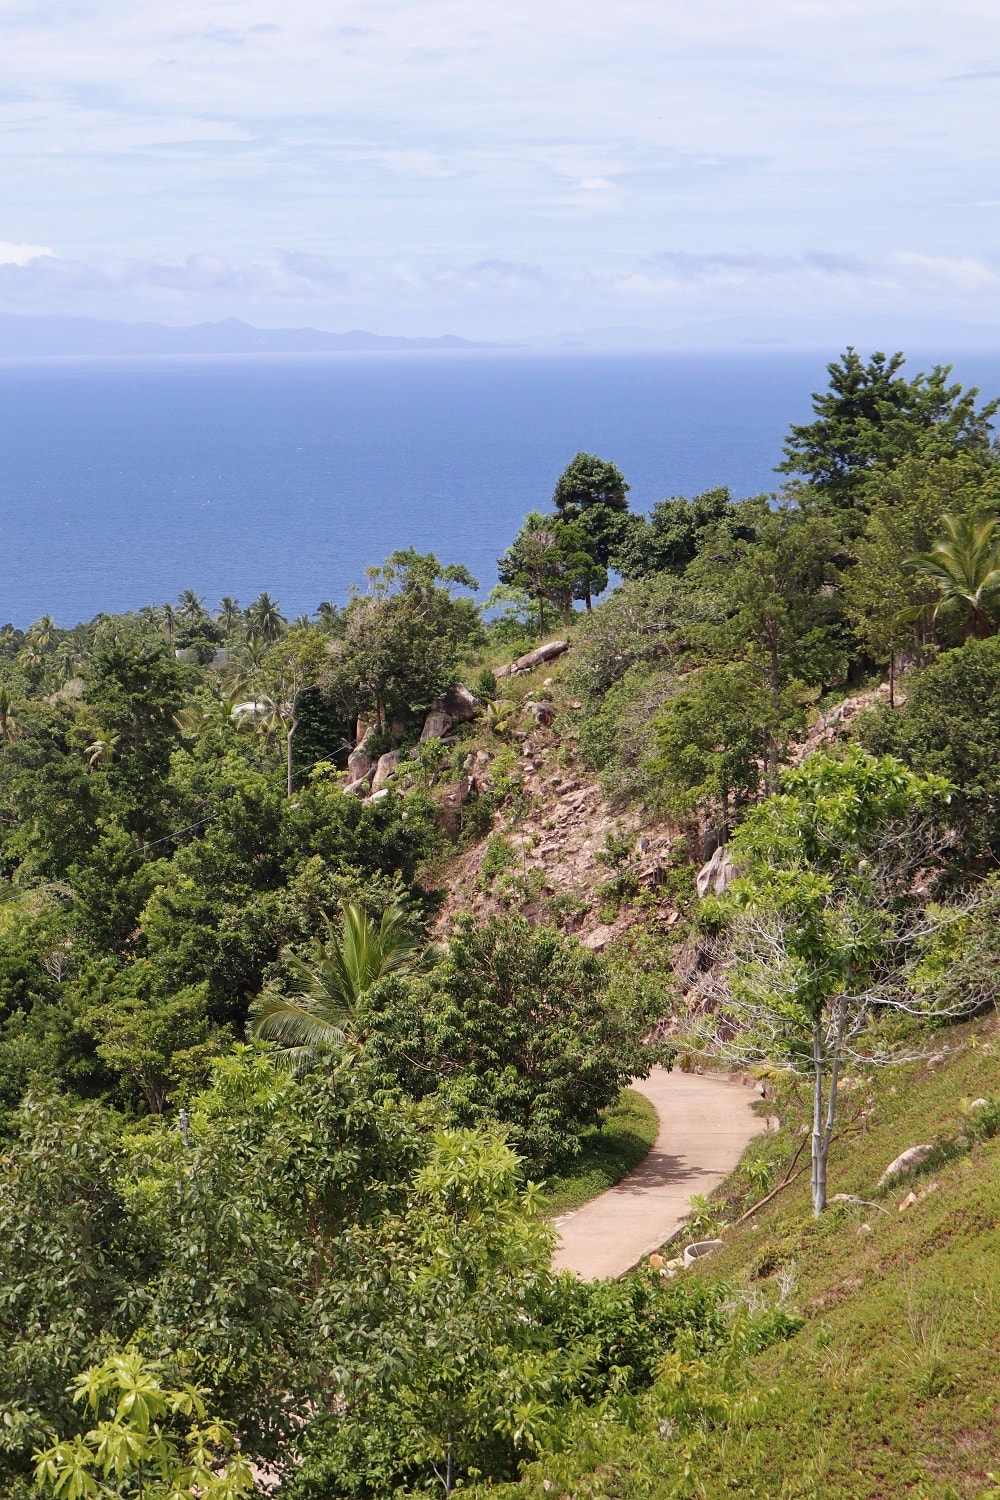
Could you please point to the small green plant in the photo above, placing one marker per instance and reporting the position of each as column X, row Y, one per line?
column 498, row 856
column 485, row 686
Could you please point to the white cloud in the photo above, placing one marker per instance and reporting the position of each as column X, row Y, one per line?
column 21, row 255
column 614, row 145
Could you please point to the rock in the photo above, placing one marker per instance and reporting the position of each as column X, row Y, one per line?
column 533, row 659
column 978, row 1104
column 356, row 788
column 864, row 1229
column 598, row 939
column 461, row 704
column 907, row 1202
column 359, row 766
column 905, row 1162
column 386, row 768
column 378, row 796
column 700, row 1249
column 543, row 713
column 362, row 730
column 436, row 725
column 717, row 875
column 657, row 1262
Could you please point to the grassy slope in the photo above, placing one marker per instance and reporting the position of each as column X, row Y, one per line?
column 891, row 1387
column 607, row 1153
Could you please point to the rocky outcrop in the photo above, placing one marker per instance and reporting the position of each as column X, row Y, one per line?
column 543, row 712
column 436, row 725
column 359, row 766
column 386, row 769
column 716, row 877
column 461, row 705
column 533, row 659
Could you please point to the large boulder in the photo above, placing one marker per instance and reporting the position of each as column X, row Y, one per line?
column 533, row 659
column 905, row 1162
column 386, row 769
column 436, row 725
column 460, row 704
column 716, row 877
column 359, row 766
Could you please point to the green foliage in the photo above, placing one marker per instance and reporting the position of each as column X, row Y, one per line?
column 675, row 532
column 870, row 416
column 950, row 727
column 514, row 1027
column 322, row 1006
column 404, row 638
column 154, row 1440
column 964, row 567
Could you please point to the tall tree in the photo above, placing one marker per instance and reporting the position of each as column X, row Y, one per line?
column 871, row 414
column 135, row 689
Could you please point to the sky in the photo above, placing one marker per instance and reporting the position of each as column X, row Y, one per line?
column 644, row 170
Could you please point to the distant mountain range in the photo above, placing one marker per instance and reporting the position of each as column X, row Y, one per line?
column 24, row 336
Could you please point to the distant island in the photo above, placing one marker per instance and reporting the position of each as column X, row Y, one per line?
column 26, row 336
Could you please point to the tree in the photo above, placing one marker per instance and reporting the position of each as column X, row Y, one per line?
column 714, row 735
column 135, row 689
column 264, row 618
column 554, row 561
column 293, row 666
column 826, row 920
column 889, row 602
column 149, row 1432
column 229, row 614
column 593, row 492
column 322, row 1008
column 516, row 1026
column 674, row 533
column 964, row 565
column 404, row 639
column 872, row 415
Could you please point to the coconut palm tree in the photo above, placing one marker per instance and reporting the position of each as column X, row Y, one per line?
column 191, row 608
column 322, row 1010
column 169, row 617
column 265, row 617
column 965, row 566
column 229, row 614
column 101, row 752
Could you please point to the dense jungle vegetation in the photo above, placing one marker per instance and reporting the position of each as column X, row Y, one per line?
column 271, row 1127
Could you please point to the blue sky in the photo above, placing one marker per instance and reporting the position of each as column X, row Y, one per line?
column 511, row 169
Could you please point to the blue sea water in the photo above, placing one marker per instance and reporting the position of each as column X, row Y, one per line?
column 124, row 481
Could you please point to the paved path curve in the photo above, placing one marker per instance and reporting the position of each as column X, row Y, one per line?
column 706, row 1124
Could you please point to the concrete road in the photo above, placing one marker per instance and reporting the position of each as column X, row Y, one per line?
column 706, row 1124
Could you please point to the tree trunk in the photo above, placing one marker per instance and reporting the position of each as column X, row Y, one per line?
column 818, row 1161
column 288, row 752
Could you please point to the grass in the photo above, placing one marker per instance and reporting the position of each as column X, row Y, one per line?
column 608, row 1152
column 891, row 1385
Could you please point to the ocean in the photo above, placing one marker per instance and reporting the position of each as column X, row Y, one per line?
column 123, row 481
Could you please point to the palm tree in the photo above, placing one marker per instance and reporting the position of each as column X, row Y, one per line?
column 169, row 617
column 192, row 608
column 965, row 566
column 322, row 1010
column 265, row 617
column 102, row 751
column 328, row 616
column 229, row 614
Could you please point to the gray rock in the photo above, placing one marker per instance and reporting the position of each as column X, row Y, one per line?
column 386, row 768
column 362, row 730
column 436, row 725
column 356, row 788
column 717, row 875
column 461, row 704
column 978, row 1104
column 378, row 796
column 359, row 766
column 543, row 713
column 700, row 1249
column 905, row 1162
column 533, row 659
